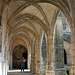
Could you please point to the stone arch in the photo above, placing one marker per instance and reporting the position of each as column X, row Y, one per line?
column 27, row 15
column 41, row 11
column 20, row 36
column 18, row 41
column 23, row 28
column 21, row 32
column 59, row 4
column 59, row 53
column 12, row 45
column 21, row 22
column 17, row 55
column 51, row 2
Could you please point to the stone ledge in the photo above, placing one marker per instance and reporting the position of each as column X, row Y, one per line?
column 60, row 69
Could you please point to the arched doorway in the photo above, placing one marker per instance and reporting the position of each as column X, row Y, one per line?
column 19, row 52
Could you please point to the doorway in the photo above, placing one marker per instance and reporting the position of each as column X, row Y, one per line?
column 25, row 55
column 19, row 52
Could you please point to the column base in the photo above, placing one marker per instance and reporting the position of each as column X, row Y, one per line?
column 42, row 70
column 50, row 72
column 72, row 70
column 32, row 69
column 60, row 71
column 38, row 69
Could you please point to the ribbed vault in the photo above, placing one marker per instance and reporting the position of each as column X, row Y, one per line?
column 16, row 42
column 27, row 18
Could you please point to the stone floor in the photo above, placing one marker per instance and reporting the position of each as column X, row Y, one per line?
column 18, row 72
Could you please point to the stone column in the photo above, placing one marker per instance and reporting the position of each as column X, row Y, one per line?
column 31, row 65
column 59, row 51
column 37, row 57
column 0, row 39
column 1, row 66
column 29, row 57
column 33, row 57
column 49, row 53
column 72, row 70
column 6, row 55
column 11, row 60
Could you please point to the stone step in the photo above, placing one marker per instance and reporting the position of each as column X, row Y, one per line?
column 19, row 73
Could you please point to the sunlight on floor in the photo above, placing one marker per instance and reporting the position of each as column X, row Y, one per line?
column 18, row 70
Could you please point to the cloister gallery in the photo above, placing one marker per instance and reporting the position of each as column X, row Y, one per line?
column 41, row 31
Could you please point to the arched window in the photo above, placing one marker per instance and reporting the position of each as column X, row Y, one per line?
column 65, row 57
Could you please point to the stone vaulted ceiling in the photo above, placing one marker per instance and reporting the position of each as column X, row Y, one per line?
column 27, row 19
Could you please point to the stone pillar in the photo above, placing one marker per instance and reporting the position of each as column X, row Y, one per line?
column 72, row 70
column 72, row 4
column 33, row 57
column 6, row 55
column 49, row 53
column 59, row 51
column 1, row 66
column 29, row 57
column 37, row 57
column 0, row 39
column 11, row 60
column 31, row 68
